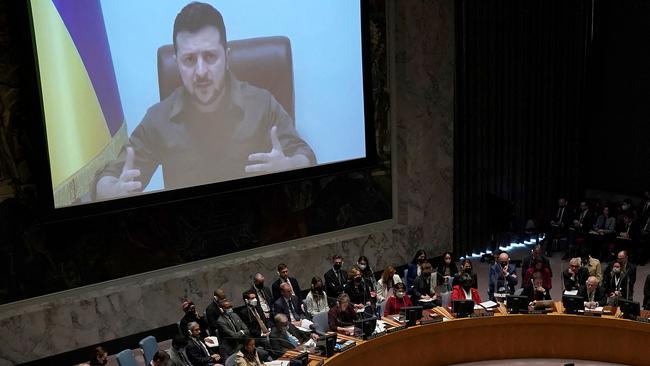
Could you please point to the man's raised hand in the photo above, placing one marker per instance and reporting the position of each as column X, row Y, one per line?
column 112, row 187
column 275, row 160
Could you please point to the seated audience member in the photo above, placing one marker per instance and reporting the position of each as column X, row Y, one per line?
column 177, row 355
column 503, row 277
column 192, row 315
column 231, row 329
column 335, row 278
column 98, row 356
column 627, row 268
column 545, row 272
column 464, row 290
column 629, row 230
column 424, row 289
column 646, row 293
column 580, row 227
column 529, row 261
column 397, row 300
column 604, row 230
column 341, row 316
column 536, row 291
column 247, row 355
column 214, row 311
column 359, row 290
column 592, row 265
column 447, row 269
column 415, row 267
column 560, row 223
column 575, row 275
column 616, row 283
column 316, row 300
column 160, row 358
column 366, row 271
column 466, row 267
column 285, row 336
column 263, row 295
column 283, row 273
column 253, row 316
column 593, row 293
column 197, row 351
column 289, row 305
column 386, row 283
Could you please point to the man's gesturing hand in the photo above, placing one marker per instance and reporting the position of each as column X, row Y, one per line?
column 111, row 187
column 275, row 160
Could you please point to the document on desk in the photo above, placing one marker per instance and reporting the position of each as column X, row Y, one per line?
column 305, row 325
column 572, row 292
column 277, row 363
column 489, row 304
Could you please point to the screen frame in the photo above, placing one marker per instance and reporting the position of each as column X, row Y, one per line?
column 48, row 213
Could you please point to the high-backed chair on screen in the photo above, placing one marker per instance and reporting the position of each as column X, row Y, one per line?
column 126, row 358
column 149, row 347
column 265, row 62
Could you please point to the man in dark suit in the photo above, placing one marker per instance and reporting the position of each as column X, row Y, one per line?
column 530, row 260
column 593, row 293
column 253, row 316
column 535, row 291
column 214, row 311
column 335, row 279
column 283, row 272
column 578, row 230
column 289, row 305
column 627, row 269
column 285, row 336
column 197, row 351
column 263, row 296
column 575, row 275
column 559, row 224
column 231, row 329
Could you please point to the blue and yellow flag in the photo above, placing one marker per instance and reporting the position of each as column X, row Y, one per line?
column 83, row 112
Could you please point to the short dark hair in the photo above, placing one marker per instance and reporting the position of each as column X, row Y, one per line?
column 245, row 294
column 196, row 16
column 179, row 341
column 160, row 356
column 282, row 266
column 95, row 353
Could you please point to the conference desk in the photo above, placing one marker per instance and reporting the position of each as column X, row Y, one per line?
column 502, row 336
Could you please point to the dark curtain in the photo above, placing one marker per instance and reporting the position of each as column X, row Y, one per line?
column 520, row 102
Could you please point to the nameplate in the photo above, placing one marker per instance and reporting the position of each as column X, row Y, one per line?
column 375, row 335
column 395, row 329
column 590, row 313
column 437, row 319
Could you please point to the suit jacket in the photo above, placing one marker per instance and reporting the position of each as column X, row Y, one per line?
column 280, row 342
column 600, row 296
column 529, row 262
column 579, row 279
column 280, row 307
column 498, row 280
column 529, row 291
column 231, row 333
column 212, row 314
column 248, row 317
column 197, row 355
column 268, row 296
column 333, row 283
column 275, row 288
column 630, row 272
column 646, row 293
column 609, row 283
column 177, row 358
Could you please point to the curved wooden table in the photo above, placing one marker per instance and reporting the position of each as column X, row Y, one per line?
column 560, row 336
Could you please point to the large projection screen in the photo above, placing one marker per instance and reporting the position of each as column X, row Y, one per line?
column 128, row 113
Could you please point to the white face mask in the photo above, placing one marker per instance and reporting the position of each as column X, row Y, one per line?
column 362, row 267
column 252, row 302
column 399, row 294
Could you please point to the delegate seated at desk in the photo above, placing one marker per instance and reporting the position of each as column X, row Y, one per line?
column 213, row 128
column 593, row 293
column 285, row 336
column 341, row 316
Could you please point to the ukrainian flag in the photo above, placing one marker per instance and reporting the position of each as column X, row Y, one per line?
column 83, row 112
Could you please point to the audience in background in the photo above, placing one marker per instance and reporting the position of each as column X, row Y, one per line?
column 335, row 278
column 503, row 277
column 464, row 290
column 366, row 271
column 263, row 295
column 535, row 290
column 341, row 316
column 386, row 283
column 160, row 358
column 289, row 305
column 214, row 311
column 593, row 293
column 253, row 316
column 415, row 267
column 545, row 273
column 592, row 265
column 559, row 225
column 397, row 300
column 579, row 229
column 197, row 351
column 192, row 315
column 447, row 269
column 231, row 329
column 424, row 289
column 360, row 291
column 247, row 355
column 177, row 355
column 616, row 284
column 646, row 293
column 283, row 277
column 316, row 300
column 603, row 231
column 98, row 356
column 529, row 261
column 575, row 275
column 466, row 267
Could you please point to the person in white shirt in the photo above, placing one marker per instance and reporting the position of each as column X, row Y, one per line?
column 386, row 283
column 316, row 300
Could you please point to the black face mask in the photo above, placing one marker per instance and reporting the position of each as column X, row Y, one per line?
column 420, row 261
column 426, row 274
column 259, row 285
column 467, row 270
column 337, row 266
column 357, row 279
column 318, row 289
column 467, row 287
column 503, row 264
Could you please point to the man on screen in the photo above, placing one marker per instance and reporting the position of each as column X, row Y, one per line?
column 213, row 128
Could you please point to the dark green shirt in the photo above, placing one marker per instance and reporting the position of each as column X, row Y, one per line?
column 198, row 148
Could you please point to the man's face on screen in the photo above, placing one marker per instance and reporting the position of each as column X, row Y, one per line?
column 202, row 63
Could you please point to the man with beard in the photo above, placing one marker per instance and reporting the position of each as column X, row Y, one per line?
column 197, row 351
column 212, row 128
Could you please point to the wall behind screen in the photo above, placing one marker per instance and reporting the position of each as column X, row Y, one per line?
column 326, row 48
